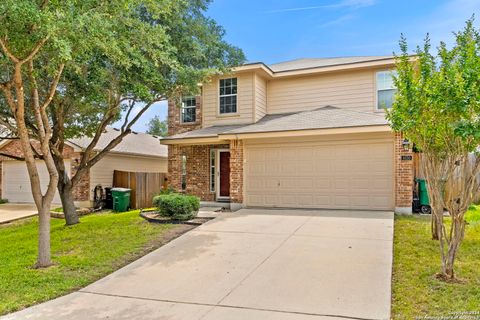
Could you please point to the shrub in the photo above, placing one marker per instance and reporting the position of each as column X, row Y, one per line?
column 177, row 206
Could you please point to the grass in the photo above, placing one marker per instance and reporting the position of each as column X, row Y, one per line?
column 416, row 292
column 81, row 254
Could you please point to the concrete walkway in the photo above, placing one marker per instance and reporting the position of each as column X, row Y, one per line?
column 13, row 211
column 253, row 264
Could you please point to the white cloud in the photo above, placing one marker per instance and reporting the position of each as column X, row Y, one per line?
column 350, row 4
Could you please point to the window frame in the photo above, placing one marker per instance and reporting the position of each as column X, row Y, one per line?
column 220, row 96
column 212, row 168
column 183, row 107
column 184, row 172
column 377, row 89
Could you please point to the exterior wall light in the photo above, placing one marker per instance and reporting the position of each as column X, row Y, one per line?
column 406, row 145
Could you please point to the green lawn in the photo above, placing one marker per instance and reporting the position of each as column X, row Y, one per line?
column 81, row 254
column 416, row 259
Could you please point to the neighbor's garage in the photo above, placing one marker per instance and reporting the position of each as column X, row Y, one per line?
column 333, row 172
column 16, row 182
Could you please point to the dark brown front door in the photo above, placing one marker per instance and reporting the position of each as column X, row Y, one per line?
column 224, row 174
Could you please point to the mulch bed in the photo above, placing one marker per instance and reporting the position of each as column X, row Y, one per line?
column 153, row 216
column 80, row 212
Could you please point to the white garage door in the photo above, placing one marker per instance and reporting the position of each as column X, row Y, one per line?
column 321, row 174
column 16, row 182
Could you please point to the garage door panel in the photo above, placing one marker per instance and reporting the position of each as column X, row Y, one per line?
column 355, row 175
column 16, row 181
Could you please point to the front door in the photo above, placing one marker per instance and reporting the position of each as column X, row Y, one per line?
column 224, row 174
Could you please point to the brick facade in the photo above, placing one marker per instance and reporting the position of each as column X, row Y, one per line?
column 174, row 116
column 404, row 177
column 81, row 191
column 236, row 171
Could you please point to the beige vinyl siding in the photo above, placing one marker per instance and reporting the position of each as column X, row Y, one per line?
column 260, row 97
column 328, row 172
column 102, row 172
column 353, row 90
column 245, row 96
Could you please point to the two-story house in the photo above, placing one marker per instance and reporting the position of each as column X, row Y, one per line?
column 308, row 133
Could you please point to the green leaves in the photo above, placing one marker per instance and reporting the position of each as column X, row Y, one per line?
column 133, row 49
column 437, row 104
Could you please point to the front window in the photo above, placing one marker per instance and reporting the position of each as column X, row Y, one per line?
column 385, row 89
column 184, row 172
column 212, row 170
column 228, row 95
column 189, row 108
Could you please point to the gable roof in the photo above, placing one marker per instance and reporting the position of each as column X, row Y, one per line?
column 327, row 117
column 309, row 63
column 135, row 143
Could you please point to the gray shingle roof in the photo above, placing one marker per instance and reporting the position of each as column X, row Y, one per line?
column 208, row 132
column 322, row 118
column 308, row 63
column 327, row 117
column 134, row 143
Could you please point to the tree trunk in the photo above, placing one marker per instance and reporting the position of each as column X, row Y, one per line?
column 43, row 259
column 69, row 210
column 65, row 188
column 434, row 227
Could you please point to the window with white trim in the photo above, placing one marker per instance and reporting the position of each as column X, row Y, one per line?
column 228, row 96
column 385, row 89
column 184, row 172
column 212, row 170
column 189, row 108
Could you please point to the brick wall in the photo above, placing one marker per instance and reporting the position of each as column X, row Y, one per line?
column 236, row 171
column 174, row 118
column 198, row 170
column 404, row 175
column 81, row 192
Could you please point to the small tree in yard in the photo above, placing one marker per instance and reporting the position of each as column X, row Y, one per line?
column 437, row 107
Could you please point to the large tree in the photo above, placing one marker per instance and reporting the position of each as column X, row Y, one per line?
column 437, row 107
column 70, row 68
column 168, row 53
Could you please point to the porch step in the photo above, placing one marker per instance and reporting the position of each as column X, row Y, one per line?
column 217, row 204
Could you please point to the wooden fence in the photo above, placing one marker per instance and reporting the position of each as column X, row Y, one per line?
column 144, row 185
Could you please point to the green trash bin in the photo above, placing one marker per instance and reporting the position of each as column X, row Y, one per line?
column 423, row 196
column 121, row 199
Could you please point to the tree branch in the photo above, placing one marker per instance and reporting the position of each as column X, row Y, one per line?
column 7, row 51
column 53, row 87
column 35, row 50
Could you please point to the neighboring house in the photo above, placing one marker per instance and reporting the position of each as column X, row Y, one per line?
column 138, row 152
column 308, row 133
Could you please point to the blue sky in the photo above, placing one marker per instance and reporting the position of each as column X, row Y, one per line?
column 278, row 30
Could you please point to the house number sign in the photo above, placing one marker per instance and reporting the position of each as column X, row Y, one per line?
column 406, row 158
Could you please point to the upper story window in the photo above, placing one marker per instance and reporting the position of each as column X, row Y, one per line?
column 385, row 89
column 228, row 95
column 189, row 108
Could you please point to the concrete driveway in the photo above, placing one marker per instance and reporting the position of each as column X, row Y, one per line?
column 14, row 211
column 253, row 264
